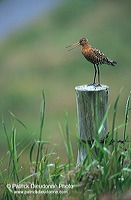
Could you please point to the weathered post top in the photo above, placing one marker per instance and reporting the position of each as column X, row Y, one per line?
column 91, row 88
column 92, row 103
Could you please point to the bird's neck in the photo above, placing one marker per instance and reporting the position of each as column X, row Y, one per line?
column 85, row 46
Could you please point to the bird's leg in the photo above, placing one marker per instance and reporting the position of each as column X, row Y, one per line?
column 98, row 75
column 94, row 82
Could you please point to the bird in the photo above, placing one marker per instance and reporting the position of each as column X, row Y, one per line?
column 93, row 55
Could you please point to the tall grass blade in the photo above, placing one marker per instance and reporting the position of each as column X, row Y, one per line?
column 127, row 115
column 22, row 151
column 65, row 144
column 114, row 114
column 6, row 134
column 31, row 151
column 27, row 177
column 2, row 178
column 103, row 121
column 15, row 160
column 1, row 160
column 70, row 149
column 42, row 114
column 16, row 118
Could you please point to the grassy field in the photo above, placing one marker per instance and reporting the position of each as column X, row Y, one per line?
column 103, row 174
column 35, row 57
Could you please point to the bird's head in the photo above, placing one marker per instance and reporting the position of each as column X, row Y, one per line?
column 82, row 41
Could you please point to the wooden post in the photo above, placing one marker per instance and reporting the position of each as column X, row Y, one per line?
column 92, row 103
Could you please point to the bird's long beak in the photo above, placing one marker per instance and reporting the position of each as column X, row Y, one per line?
column 73, row 46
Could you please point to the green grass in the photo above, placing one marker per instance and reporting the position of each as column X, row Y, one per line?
column 108, row 172
column 35, row 57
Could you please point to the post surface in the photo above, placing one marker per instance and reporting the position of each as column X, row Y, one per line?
column 92, row 103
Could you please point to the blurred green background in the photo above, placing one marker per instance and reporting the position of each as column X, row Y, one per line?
column 35, row 57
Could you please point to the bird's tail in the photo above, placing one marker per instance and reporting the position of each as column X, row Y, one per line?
column 111, row 62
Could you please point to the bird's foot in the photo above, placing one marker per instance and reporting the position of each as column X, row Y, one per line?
column 98, row 85
column 92, row 84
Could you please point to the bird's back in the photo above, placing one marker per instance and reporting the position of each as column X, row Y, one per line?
column 95, row 56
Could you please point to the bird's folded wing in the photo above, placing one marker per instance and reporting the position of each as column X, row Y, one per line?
column 98, row 53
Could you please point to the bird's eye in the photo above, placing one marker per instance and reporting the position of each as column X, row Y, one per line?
column 82, row 40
